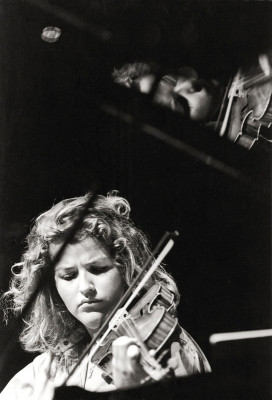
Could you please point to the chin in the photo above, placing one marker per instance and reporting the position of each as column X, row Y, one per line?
column 202, row 112
column 92, row 322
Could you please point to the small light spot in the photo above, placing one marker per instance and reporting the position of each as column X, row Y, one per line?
column 51, row 34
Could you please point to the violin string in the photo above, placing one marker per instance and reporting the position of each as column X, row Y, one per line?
column 256, row 79
column 133, row 332
column 251, row 81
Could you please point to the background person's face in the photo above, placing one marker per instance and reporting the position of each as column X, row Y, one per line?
column 87, row 281
column 201, row 95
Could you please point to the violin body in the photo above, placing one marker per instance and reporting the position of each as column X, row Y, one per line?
column 150, row 321
column 154, row 316
column 253, row 118
column 250, row 119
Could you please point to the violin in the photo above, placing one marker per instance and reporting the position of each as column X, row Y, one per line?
column 151, row 320
column 248, row 115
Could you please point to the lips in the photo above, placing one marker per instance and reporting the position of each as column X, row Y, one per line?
column 89, row 302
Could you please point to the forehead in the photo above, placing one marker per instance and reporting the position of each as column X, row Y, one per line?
column 86, row 250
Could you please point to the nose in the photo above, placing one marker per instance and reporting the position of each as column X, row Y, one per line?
column 183, row 87
column 188, row 86
column 86, row 284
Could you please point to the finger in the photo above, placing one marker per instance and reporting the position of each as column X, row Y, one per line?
column 133, row 352
column 264, row 64
column 125, row 362
column 121, row 359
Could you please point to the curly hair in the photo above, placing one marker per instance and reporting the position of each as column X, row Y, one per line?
column 128, row 73
column 48, row 321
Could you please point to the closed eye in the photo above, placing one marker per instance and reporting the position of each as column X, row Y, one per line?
column 93, row 269
column 99, row 269
column 68, row 277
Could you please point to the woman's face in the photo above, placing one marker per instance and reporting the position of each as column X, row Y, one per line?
column 201, row 96
column 88, row 282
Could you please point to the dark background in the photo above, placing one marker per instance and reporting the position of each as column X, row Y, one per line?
column 56, row 141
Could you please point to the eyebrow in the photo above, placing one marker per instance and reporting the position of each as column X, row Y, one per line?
column 65, row 268
column 96, row 261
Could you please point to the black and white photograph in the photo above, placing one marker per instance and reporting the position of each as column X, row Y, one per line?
column 135, row 199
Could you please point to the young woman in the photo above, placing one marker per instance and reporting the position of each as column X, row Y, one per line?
column 75, row 297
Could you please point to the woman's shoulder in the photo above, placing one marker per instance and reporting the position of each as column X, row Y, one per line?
column 22, row 384
column 186, row 355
